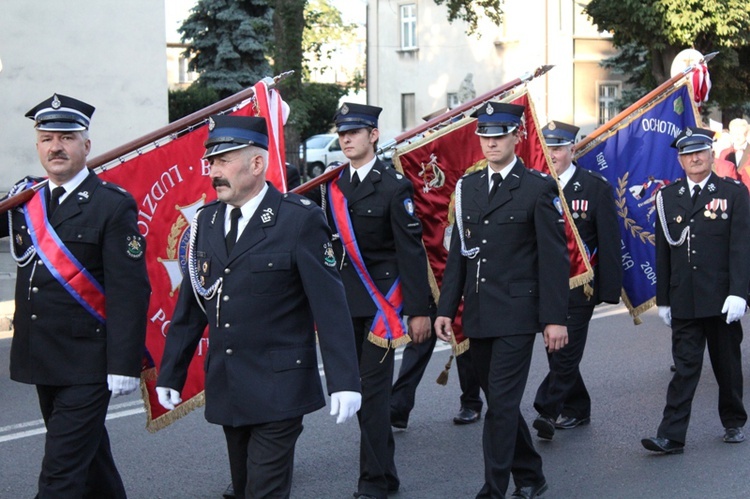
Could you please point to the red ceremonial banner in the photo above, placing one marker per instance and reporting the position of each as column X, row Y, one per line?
column 170, row 183
column 435, row 163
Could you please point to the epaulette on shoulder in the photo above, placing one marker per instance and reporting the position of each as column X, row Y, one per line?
column 669, row 186
column 208, row 205
column 393, row 173
column 731, row 180
column 298, row 200
column 598, row 176
column 475, row 172
column 537, row 173
column 115, row 188
column 540, row 175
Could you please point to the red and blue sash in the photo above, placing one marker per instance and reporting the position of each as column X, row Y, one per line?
column 60, row 261
column 387, row 326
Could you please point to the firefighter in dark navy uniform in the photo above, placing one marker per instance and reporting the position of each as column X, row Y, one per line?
column 702, row 279
column 592, row 206
column 81, row 299
column 383, row 264
column 508, row 260
column 262, row 276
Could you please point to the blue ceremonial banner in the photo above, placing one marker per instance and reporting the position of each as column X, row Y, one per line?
column 637, row 160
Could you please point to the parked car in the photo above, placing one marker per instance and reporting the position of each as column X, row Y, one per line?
column 322, row 150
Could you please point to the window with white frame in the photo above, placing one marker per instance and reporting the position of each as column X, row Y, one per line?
column 409, row 26
column 408, row 111
column 609, row 93
column 453, row 100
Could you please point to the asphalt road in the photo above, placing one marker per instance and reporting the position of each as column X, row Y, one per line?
column 626, row 369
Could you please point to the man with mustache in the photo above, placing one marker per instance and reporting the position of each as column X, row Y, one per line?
column 82, row 297
column 263, row 277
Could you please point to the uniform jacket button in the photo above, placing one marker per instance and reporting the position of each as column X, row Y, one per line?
column 226, row 326
column 230, row 351
column 226, row 298
column 33, row 317
column 227, row 271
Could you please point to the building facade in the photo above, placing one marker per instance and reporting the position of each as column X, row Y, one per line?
column 418, row 63
column 108, row 53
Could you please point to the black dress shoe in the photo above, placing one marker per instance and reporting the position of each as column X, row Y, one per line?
column 530, row 491
column 229, row 492
column 665, row 445
column 545, row 427
column 734, row 435
column 569, row 422
column 466, row 416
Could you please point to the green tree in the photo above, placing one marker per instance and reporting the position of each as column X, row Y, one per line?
column 324, row 30
column 189, row 100
column 229, row 42
column 470, row 10
column 662, row 28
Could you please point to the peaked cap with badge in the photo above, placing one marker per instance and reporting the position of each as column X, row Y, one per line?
column 351, row 116
column 495, row 119
column 229, row 133
column 61, row 113
column 693, row 139
column 557, row 133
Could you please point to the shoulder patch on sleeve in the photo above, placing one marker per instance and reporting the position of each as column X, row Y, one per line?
column 136, row 246
column 409, row 206
column 558, row 205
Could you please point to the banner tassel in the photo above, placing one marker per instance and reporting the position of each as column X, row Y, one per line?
column 442, row 379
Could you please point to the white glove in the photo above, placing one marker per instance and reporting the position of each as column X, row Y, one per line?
column 168, row 397
column 734, row 307
column 666, row 315
column 345, row 404
column 121, row 385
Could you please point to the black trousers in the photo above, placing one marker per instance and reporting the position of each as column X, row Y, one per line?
column 261, row 458
column 563, row 391
column 502, row 365
column 689, row 340
column 77, row 460
column 414, row 361
column 377, row 468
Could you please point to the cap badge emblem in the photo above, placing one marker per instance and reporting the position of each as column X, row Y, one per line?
column 56, row 102
column 344, row 109
column 490, row 110
column 552, row 125
column 688, row 132
column 211, row 124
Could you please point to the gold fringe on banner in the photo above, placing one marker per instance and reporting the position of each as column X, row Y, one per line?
column 635, row 312
column 154, row 425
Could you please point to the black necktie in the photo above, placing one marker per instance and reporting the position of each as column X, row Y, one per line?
column 233, row 228
column 355, row 180
column 497, row 179
column 696, row 191
column 54, row 199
